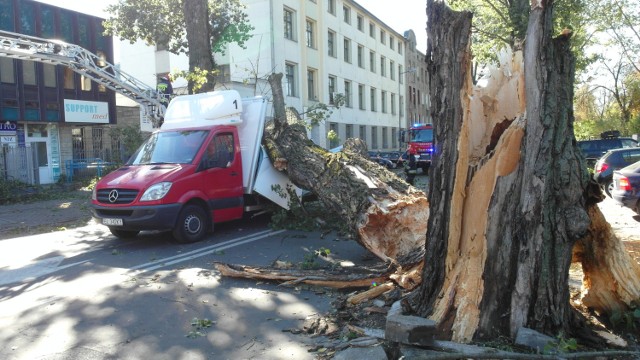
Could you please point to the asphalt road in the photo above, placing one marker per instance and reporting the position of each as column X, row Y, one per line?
column 83, row 294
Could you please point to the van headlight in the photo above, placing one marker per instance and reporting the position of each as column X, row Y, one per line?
column 156, row 191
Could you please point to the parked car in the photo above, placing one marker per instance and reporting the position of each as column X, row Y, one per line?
column 613, row 160
column 626, row 187
column 594, row 149
column 381, row 159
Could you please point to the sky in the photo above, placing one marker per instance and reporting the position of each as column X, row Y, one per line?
column 400, row 15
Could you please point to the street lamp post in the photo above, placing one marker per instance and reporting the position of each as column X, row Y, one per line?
column 399, row 107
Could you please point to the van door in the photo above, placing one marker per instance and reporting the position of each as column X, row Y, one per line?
column 221, row 173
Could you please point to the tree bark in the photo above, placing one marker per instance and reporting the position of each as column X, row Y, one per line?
column 200, row 53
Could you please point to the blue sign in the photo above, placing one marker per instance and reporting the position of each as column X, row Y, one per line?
column 8, row 127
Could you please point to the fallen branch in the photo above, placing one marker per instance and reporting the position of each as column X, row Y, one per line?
column 372, row 293
column 293, row 277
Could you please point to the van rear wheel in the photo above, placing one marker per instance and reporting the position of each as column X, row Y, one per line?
column 123, row 234
column 192, row 225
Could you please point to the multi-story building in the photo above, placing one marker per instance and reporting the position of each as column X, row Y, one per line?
column 417, row 84
column 38, row 101
column 322, row 48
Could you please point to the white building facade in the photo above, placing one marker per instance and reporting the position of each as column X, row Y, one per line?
column 322, row 48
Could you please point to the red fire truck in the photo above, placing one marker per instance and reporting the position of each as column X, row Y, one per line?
column 420, row 145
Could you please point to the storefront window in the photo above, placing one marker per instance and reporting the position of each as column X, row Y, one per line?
column 37, row 130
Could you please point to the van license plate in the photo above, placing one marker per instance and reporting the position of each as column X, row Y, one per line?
column 116, row 222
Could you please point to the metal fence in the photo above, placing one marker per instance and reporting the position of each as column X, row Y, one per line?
column 19, row 163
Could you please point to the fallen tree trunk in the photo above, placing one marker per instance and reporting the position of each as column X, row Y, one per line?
column 388, row 215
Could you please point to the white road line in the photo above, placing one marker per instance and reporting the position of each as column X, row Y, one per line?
column 157, row 264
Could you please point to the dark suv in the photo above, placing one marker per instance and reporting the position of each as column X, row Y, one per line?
column 613, row 160
column 594, row 149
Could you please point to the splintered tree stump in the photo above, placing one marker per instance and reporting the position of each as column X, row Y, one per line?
column 509, row 192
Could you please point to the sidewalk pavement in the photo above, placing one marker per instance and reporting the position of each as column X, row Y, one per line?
column 38, row 217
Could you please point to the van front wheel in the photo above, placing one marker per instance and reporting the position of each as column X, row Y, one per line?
column 192, row 226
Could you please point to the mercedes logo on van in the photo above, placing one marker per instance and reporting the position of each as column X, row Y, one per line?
column 113, row 196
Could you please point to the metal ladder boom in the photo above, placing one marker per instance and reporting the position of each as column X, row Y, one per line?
column 84, row 62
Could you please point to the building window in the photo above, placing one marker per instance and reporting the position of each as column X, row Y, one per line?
column 69, row 79
column 361, row 102
column 85, row 83
column 394, row 138
column 383, row 66
column 346, row 14
column 374, row 137
column 391, row 42
column 393, row 104
column 363, row 133
column 331, row 43
column 311, row 85
column 361, row 56
column 47, row 21
column 290, row 85
column 66, row 26
column 7, row 71
column 372, row 30
column 372, row 99
column 310, row 34
column 347, row 93
column 383, row 102
column 332, row 89
column 348, row 131
column 360, row 22
column 385, row 138
column 334, row 142
column 383, row 36
column 331, row 7
column 392, row 73
column 347, row 50
column 399, row 48
column 372, row 61
column 84, row 32
column 288, row 24
column 49, row 72
column 6, row 21
column 400, row 74
column 27, row 18
column 29, row 72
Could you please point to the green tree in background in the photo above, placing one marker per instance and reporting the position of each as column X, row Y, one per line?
column 499, row 24
column 198, row 28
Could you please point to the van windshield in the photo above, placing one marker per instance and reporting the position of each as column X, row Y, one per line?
column 169, row 147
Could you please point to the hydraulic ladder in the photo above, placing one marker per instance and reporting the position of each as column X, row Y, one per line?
column 84, row 62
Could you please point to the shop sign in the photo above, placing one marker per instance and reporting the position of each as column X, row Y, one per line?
column 79, row 111
column 8, row 128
